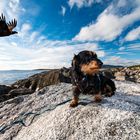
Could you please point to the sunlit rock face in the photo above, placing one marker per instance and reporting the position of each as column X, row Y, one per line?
column 46, row 114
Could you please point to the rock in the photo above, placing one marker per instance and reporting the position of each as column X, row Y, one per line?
column 34, row 83
column 14, row 93
column 4, row 89
column 20, row 91
column 41, row 80
column 127, row 73
column 121, row 76
column 46, row 115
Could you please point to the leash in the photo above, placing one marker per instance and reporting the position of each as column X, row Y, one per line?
column 22, row 117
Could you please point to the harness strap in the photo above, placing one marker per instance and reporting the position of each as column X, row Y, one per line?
column 85, row 78
column 99, row 78
column 78, row 85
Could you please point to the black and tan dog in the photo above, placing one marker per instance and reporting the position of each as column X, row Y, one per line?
column 87, row 79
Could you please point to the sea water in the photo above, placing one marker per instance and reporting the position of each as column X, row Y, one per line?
column 10, row 76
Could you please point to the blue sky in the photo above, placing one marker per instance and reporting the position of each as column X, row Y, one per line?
column 50, row 32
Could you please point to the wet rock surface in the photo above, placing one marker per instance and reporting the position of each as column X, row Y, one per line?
column 46, row 115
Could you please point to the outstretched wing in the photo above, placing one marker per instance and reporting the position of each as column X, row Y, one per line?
column 3, row 25
column 12, row 25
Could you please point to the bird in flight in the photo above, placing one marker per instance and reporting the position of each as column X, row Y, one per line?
column 6, row 28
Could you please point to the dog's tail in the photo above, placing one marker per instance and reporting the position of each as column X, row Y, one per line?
column 111, row 84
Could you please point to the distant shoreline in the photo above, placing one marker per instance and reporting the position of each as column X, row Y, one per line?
column 8, row 77
column 27, row 70
column 104, row 66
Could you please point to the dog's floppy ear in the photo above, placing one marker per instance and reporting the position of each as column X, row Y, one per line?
column 94, row 54
column 75, row 61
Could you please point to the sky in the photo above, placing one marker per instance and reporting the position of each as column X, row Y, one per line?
column 50, row 32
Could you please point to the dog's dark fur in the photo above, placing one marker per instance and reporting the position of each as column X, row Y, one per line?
column 86, row 78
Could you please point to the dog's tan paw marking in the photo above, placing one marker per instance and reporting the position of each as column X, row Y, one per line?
column 73, row 103
column 98, row 98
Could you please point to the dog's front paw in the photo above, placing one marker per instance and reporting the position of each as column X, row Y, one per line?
column 73, row 103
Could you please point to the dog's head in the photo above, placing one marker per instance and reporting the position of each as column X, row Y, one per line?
column 87, row 62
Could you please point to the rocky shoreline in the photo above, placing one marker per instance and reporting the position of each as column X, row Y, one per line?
column 52, row 77
column 33, row 83
column 38, row 108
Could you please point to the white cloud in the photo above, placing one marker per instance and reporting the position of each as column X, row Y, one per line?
column 24, row 31
column 124, row 53
column 133, row 47
column 121, row 48
column 117, row 60
column 25, row 27
column 108, row 25
column 82, row 3
column 11, row 8
column 122, row 3
column 63, row 10
column 133, row 35
column 33, row 36
column 30, row 50
column 44, row 57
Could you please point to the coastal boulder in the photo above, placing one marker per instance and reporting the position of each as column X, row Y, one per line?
column 121, row 76
column 14, row 93
column 20, row 91
column 34, row 83
column 131, row 73
column 41, row 80
column 4, row 89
